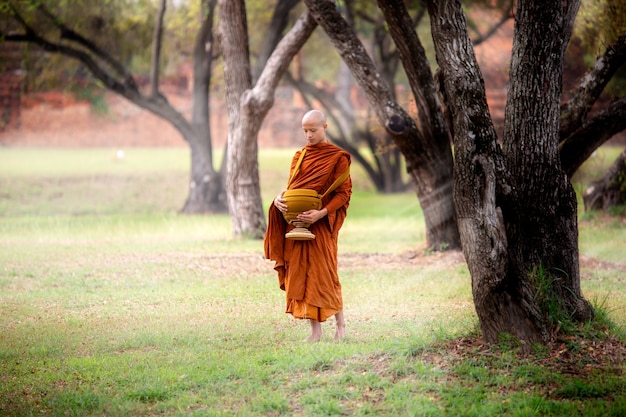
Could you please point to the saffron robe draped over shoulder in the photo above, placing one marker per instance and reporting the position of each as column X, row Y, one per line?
column 307, row 270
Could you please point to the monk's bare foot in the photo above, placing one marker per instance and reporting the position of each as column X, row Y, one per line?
column 340, row 333
column 313, row 338
column 316, row 331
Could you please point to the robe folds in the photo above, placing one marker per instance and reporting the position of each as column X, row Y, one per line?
column 307, row 270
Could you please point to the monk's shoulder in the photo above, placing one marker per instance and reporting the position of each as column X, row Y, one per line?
column 339, row 152
column 342, row 154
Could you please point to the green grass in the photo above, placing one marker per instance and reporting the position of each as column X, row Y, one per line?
column 113, row 304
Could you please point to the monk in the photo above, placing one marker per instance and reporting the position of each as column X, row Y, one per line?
column 307, row 269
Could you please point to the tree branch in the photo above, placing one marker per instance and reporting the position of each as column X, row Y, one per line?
column 280, row 19
column 569, row 17
column 417, row 68
column 591, row 86
column 70, row 35
column 579, row 146
column 31, row 37
column 126, row 87
column 507, row 14
column 286, row 49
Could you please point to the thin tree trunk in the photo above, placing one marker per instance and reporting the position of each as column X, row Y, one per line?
column 206, row 191
column 280, row 19
column 157, row 38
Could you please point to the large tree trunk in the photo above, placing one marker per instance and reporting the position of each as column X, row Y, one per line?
column 247, row 107
column 544, row 232
column 517, row 210
column 429, row 169
column 610, row 190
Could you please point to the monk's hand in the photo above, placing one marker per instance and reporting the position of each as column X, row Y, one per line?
column 311, row 216
column 279, row 202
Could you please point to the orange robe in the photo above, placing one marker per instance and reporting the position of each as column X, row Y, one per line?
column 307, row 270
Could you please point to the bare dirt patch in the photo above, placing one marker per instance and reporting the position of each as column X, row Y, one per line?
column 447, row 259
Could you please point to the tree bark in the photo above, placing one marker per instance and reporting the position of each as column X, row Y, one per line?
column 515, row 205
column 544, row 233
column 482, row 193
column 425, row 165
column 247, row 107
column 610, row 190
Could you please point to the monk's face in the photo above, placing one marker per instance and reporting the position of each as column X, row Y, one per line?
column 314, row 130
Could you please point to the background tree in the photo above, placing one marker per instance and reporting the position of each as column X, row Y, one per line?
column 601, row 33
column 36, row 23
column 610, row 190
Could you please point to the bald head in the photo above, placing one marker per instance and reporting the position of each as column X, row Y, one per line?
column 315, row 117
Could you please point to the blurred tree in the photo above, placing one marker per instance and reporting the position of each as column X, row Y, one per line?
column 610, row 190
column 601, row 30
column 110, row 22
column 34, row 22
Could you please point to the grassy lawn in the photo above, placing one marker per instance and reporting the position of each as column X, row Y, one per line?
column 113, row 304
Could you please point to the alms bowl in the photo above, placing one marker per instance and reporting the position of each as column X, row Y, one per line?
column 300, row 200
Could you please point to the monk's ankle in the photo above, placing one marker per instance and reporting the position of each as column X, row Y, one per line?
column 340, row 333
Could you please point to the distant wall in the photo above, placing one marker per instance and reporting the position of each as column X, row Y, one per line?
column 11, row 83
